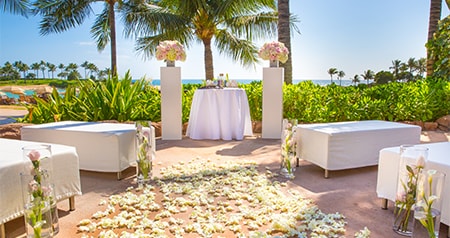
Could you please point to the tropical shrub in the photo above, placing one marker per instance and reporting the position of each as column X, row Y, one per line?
column 122, row 100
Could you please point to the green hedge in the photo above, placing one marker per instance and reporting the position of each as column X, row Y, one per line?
column 123, row 100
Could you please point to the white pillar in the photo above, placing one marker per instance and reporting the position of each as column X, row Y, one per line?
column 272, row 113
column 171, row 104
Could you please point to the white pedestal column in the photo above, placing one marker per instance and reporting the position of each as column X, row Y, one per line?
column 272, row 113
column 171, row 104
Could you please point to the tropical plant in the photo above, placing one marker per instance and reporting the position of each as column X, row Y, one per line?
column 231, row 25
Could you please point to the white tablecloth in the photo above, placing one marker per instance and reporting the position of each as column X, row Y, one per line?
column 345, row 145
column 66, row 175
column 438, row 158
column 102, row 147
column 219, row 114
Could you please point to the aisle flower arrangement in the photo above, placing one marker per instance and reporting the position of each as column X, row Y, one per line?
column 38, row 196
column 274, row 51
column 288, row 148
column 406, row 199
column 170, row 51
column 144, row 153
column 428, row 204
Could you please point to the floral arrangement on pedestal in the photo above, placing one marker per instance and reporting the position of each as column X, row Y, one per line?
column 170, row 51
column 288, row 148
column 274, row 51
column 39, row 197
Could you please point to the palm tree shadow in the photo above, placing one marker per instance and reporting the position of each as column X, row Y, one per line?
column 247, row 147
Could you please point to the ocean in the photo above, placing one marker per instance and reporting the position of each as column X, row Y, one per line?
column 323, row 82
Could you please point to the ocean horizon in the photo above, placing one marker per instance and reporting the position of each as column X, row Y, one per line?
column 322, row 82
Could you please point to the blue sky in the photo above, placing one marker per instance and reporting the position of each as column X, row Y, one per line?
column 350, row 35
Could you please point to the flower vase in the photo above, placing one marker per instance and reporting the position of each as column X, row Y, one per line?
column 288, row 148
column 37, row 208
column 412, row 161
column 273, row 63
column 170, row 63
column 38, row 165
column 144, row 153
column 427, row 211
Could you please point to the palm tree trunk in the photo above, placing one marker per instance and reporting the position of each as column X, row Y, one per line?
column 209, row 68
column 284, row 36
column 112, row 25
column 435, row 16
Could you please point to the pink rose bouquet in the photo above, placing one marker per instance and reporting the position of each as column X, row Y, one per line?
column 274, row 51
column 170, row 50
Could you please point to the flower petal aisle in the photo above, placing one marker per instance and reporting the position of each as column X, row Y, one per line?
column 211, row 199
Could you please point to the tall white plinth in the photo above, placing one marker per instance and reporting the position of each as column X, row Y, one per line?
column 272, row 113
column 171, row 104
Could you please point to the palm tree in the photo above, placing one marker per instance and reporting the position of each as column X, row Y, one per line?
column 231, row 25
column 92, row 69
column 61, row 68
column 51, row 68
column 421, row 67
column 20, row 7
column 24, row 69
column 36, row 67
column 355, row 79
column 396, row 65
column 43, row 67
column 368, row 75
column 61, row 15
column 340, row 75
column 284, row 36
column 85, row 66
column 411, row 65
column 21, row 67
column 331, row 72
column 435, row 16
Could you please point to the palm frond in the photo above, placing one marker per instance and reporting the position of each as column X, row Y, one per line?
column 101, row 29
column 145, row 19
column 21, row 7
column 240, row 50
column 61, row 15
column 257, row 26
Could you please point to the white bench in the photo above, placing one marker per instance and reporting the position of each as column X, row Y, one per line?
column 353, row 144
column 66, row 176
column 102, row 147
column 438, row 158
